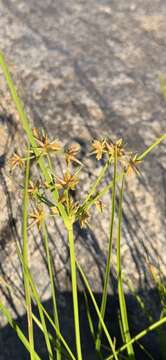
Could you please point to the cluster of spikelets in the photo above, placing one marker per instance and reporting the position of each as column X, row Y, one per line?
column 103, row 149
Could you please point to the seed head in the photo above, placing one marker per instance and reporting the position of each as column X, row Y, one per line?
column 38, row 217
column 132, row 166
column 99, row 205
column 16, row 161
column 84, row 219
column 118, row 146
column 99, row 148
column 33, row 188
column 68, row 181
column 71, row 153
column 73, row 208
column 45, row 146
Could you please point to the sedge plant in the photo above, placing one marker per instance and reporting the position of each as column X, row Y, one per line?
column 51, row 196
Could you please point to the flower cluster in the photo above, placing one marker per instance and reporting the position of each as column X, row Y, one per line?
column 128, row 160
column 70, row 154
column 44, row 145
column 16, row 161
column 68, row 181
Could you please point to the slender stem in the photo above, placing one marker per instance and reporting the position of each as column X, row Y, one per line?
column 26, row 126
column 119, row 178
column 85, row 280
column 98, row 196
column 97, row 182
column 25, row 260
column 64, row 351
column 89, row 317
column 50, row 270
column 42, row 312
column 151, row 147
column 122, row 303
column 18, row 331
column 107, row 272
column 74, row 291
column 140, row 335
column 35, row 295
column 66, row 193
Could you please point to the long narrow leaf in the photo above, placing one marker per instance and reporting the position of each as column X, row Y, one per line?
column 50, row 270
column 97, row 311
column 18, row 331
column 25, row 259
column 42, row 310
column 151, row 147
column 123, row 309
column 74, row 292
column 108, row 263
column 140, row 335
column 26, row 126
column 37, row 299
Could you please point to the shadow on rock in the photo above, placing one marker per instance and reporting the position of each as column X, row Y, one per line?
column 11, row 347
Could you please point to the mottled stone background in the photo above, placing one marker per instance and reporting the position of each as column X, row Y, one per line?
column 86, row 69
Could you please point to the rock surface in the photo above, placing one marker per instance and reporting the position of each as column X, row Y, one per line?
column 86, row 70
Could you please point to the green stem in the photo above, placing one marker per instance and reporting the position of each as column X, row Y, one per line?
column 25, row 260
column 45, row 331
column 97, row 182
column 50, row 270
column 140, row 335
column 98, row 196
column 122, row 303
column 42, row 312
column 98, row 312
column 17, row 330
column 26, row 126
column 151, row 147
column 108, row 264
column 74, row 291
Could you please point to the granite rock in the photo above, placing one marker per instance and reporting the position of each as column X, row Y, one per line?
column 86, row 70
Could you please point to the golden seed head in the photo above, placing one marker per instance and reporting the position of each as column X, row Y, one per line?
column 45, row 146
column 99, row 148
column 71, row 153
column 16, row 161
column 132, row 166
column 118, row 146
column 68, row 181
column 38, row 217
column 99, row 205
column 33, row 188
column 84, row 219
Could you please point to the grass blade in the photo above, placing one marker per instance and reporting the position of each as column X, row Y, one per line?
column 122, row 303
column 50, row 270
column 151, row 147
column 108, row 264
column 96, row 183
column 74, row 292
column 18, row 331
column 91, row 327
column 38, row 302
column 44, row 312
column 140, row 335
column 98, row 311
column 26, row 126
column 66, row 352
column 25, row 260
column 45, row 331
